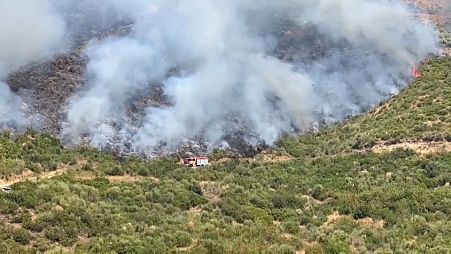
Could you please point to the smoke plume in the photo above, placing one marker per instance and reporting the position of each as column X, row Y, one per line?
column 30, row 31
column 223, row 51
column 258, row 68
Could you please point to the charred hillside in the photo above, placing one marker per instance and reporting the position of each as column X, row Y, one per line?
column 124, row 82
column 48, row 87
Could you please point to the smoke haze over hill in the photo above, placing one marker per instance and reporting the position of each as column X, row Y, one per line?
column 217, row 65
column 30, row 31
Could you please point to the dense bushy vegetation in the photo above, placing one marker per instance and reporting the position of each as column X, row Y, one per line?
column 331, row 196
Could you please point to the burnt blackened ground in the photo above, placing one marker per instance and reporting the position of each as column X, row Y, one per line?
column 47, row 87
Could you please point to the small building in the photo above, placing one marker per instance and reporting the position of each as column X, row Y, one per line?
column 200, row 161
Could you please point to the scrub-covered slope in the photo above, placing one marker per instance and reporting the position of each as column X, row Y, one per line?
column 331, row 192
column 419, row 113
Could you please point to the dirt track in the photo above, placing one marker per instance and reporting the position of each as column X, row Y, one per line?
column 30, row 176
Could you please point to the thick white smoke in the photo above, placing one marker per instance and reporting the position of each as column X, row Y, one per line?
column 30, row 31
column 216, row 62
column 223, row 53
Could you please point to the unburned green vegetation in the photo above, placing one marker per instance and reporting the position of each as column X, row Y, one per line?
column 333, row 194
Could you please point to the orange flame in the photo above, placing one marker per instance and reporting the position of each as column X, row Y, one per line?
column 416, row 73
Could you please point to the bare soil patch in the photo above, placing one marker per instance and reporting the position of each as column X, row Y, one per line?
column 421, row 148
column 365, row 222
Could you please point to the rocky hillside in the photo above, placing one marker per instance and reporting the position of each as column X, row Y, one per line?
column 431, row 6
column 49, row 86
column 439, row 12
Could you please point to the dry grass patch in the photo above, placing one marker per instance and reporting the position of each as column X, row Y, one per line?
column 85, row 176
column 212, row 191
column 197, row 211
column 420, row 148
column 365, row 222
column 273, row 157
column 129, row 179
column 308, row 246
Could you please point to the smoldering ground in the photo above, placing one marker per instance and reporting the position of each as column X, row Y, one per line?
column 30, row 31
column 257, row 68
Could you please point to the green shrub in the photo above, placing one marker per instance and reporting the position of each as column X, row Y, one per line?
column 319, row 192
column 212, row 247
column 314, row 248
column 115, row 171
column 183, row 239
column 281, row 249
column 291, row 227
column 338, row 243
column 22, row 236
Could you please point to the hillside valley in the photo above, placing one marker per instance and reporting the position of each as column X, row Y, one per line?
column 327, row 132
column 378, row 183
